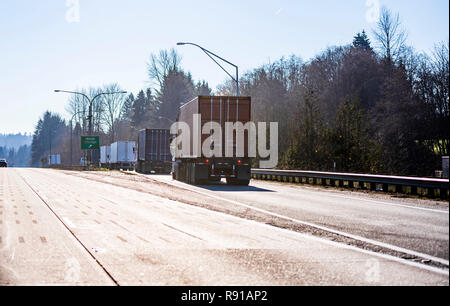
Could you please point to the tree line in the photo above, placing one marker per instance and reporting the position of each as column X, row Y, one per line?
column 16, row 149
column 16, row 157
column 118, row 116
column 366, row 107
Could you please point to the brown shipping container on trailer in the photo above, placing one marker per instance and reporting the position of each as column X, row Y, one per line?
column 220, row 109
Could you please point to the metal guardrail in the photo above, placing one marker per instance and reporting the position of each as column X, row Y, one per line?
column 431, row 187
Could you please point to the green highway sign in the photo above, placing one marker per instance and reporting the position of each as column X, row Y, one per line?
column 90, row 142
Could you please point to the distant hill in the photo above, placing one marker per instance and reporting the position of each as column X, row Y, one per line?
column 15, row 141
column 16, row 149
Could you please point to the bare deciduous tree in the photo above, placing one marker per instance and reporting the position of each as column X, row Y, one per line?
column 78, row 107
column 391, row 38
column 112, row 106
column 160, row 66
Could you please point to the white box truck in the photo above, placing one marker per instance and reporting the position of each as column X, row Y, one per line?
column 54, row 159
column 123, row 155
column 105, row 156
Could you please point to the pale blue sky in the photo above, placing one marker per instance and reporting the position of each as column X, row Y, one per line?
column 41, row 51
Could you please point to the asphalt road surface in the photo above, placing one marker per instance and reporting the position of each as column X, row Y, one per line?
column 112, row 228
column 413, row 224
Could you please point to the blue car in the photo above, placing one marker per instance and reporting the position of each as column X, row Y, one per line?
column 3, row 163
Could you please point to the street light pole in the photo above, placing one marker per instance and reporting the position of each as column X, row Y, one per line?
column 210, row 55
column 90, row 105
column 71, row 132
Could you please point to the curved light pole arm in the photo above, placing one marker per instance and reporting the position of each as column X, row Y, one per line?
column 75, row 93
column 90, row 102
column 210, row 55
column 107, row 93
column 90, row 112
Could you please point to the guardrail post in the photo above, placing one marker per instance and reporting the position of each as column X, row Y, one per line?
column 443, row 193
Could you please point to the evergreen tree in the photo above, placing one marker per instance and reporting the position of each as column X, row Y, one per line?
column 48, row 136
column 138, row 114
column 202, row 89
column 307, row 150
column 177, row 89
column 361, row 41
column 350, row 141
column 127, row 107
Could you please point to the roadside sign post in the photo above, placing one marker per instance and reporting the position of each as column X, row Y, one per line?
column 90, row 143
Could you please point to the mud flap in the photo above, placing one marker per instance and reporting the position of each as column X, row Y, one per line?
column 244, row 173
column 201, row 172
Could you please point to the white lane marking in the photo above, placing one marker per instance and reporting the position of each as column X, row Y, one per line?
column 374, row 242
column 68, row 222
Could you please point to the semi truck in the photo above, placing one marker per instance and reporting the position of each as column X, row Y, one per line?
column 122, row 155
column 154, row 151
column 196, row 167
column 105, row 156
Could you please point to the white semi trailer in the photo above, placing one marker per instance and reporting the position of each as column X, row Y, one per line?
column 123, row 155
column 105, row 156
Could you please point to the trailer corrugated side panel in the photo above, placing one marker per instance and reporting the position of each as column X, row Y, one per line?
column 154, row 145
column 158, row 145
column 185, row 115
column 219, row 109
column 142, row 136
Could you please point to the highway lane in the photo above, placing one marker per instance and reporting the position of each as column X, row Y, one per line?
column 35, row 248
column 417, row 225
column 123, row 236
